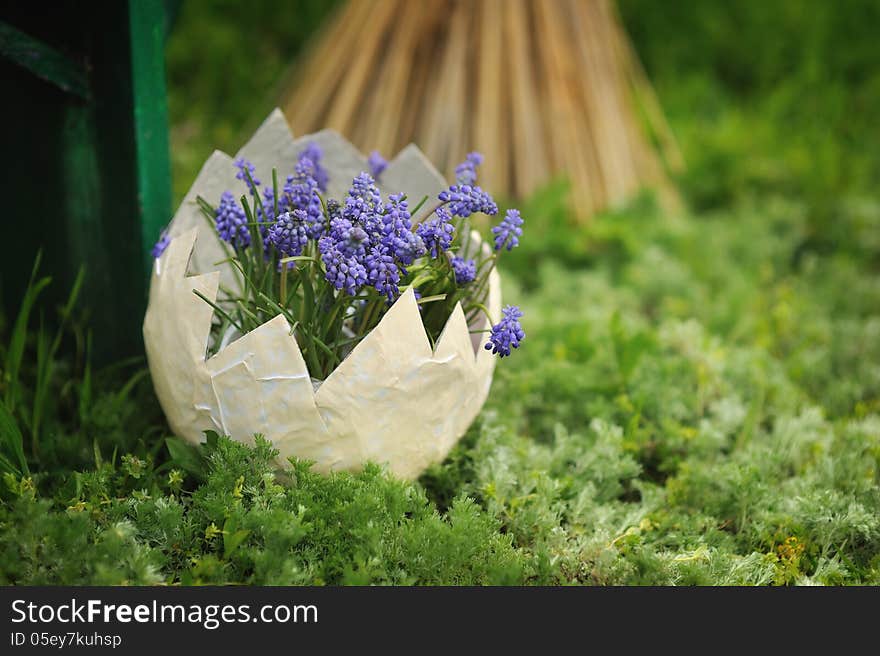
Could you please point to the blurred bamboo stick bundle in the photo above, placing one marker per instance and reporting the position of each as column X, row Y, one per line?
column 543, row 88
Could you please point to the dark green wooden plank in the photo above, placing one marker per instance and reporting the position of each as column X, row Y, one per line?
column 91, row 181
column 43, row 61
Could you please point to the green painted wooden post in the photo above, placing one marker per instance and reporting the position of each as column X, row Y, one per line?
column 86, row 146
column 147, row 25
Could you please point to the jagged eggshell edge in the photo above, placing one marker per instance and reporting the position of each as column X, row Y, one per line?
column 393, row 399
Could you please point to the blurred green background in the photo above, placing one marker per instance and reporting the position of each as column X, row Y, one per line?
column 227, row 63
column 773, row 96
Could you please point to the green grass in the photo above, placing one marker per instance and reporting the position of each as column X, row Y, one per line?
column 697, row 400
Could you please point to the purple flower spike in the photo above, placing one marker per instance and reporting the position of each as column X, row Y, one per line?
column 344, row 246
column 363, row 188
column 437, row 233
column 508, row 232
column 288, row 233
column 232, row 222
column 383, row 273
column 395, row 231
column 465, row 270
column 465, row 200
column 244, row 166
column 343, row 271
column 363, row 207
column 507, row 333
column 377, row 164
column 466, row 172
column 301, row 193
column 266, row 214
column 312, row 155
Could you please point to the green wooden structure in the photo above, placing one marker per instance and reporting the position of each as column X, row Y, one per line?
column 85, row 141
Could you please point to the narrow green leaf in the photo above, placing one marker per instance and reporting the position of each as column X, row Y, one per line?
column 233, row 540
column 275, row 192
column 15, row 351
column 416, row 209
column 431, row 299
column 12, row 440
column 297, row 258
column 218, row 309
column 308, row 306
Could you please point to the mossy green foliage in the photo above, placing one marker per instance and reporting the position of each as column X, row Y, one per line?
column 244, row 523
column 697, row 400
column 707, row 411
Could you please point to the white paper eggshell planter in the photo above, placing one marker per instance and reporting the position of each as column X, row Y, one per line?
column 392, row 400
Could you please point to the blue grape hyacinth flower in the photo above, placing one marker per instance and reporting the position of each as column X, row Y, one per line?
column 437, row 233
column 383, row 273
column 508, row 232
column 465, row 200
column 244, row 168
column 395, row 231
column 507, row 334
column 288, row 234
column 466, row 172
column 343, row 272
column 311, row 157
column 465, row 270
column 232, row 222
column 377, row 164
column 301, row 192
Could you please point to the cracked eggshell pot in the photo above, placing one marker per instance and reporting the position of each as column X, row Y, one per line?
column 393, row 400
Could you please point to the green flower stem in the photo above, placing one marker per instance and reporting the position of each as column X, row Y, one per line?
column 308, row 351
column 431, row 299
column 482, row 282
column 416, row 209
column 218, row 309
column 297, row 258
column 308, row 302
column 465, row 227
column 256, row 234
column 328, row 328
column 282, row 285
column 280, row 310
column 250, row 288
column 242, row 308
column 372, row 309
column 437, row 207
column 292, row 292
column 492, row 259
column 275, row 192
column 479, row 307
column 333, row 358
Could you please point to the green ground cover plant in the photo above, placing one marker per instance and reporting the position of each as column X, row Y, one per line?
column 700, row 418
column 699, row 402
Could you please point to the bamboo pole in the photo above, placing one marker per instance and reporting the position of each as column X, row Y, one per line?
column 543, row 88
column 490, row 127
column 314, row 87
column 529, row 158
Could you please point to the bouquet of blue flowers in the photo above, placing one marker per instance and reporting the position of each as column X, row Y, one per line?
column 346, row 309
column 333, row 267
